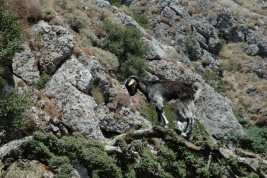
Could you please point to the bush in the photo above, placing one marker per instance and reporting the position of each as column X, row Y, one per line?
column 106, row 58
column 151, row 115
column 125, row 42
column 141, row 19
column 77, row 20
column 255, row 139
column 192, row 46
column 11, row 34
column 230, row 65
column 40, row 83
column 215, row 81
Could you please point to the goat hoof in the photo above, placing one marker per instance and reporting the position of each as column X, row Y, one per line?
column 184, row 134
column 165, row 126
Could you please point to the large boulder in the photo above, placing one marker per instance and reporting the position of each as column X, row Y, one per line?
column 24, row 65
column 52, row 45
column 214, row 111
column 68, row 89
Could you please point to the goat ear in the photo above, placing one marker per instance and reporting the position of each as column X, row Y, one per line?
column 132, row 81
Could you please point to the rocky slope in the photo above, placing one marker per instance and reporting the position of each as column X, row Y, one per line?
column 186, row 39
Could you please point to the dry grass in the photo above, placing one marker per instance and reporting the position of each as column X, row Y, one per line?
column 50, row 108
column 123, row 99
column 228, row 50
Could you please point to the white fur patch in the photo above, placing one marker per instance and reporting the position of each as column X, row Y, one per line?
column 132, row 81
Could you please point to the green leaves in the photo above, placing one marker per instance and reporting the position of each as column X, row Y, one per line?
column 11, row 36
column 125, row 42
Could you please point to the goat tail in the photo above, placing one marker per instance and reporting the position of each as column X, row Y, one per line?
column 198, row 88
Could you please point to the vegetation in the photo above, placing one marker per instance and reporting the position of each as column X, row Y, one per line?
column 12, row 102
column 141, row 19
column 10, row 34
column 215, row 81
column 59, row 153
column 125, row 42
column 40, row 83
column 97, row 95
column 174, row 159
column 12, row 105
column 192, row 46
column 106, row 58
column 254, row 139
column 150, row 114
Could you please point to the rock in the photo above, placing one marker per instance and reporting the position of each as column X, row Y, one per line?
column 68, row 90
column 5, row 149
column 240, row 33
column 99, row 75
column 81, row 172
column 24, row 65
column 213, row 110
column 224, row 20
column 205, row 5
column 25, row 168
column 251, row 49
column 257, row 44
column 52, row 45
column 122, row 18
column 212, row 42
column 121, row 120
column 102, row 3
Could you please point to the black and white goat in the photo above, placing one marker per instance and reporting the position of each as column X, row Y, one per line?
column 177, row 94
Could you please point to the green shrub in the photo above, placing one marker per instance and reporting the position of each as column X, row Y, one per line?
column 12, row 105
column 77, row 20
column 106, row 58
column 10, row 34
column 255, row 139
column 116, row 4
column 141, row 19
column 125, row 42
column 239, row 114
column 215, row 81
column 230, row 65
column 40, row 83
column 151, row 115
column 192, row 46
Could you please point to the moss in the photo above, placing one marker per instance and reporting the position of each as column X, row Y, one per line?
column 97, row 95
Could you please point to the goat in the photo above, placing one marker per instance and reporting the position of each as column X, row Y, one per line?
column 174, row 93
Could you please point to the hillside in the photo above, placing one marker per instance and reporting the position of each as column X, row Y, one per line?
column 65, row 111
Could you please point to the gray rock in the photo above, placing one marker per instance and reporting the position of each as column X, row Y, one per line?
column 213, row 110
column 102, row 3
column 99, row 75
column 205, row 5
column 251, row 49
column 80, row 171
column 121, row 120
column 24, row 65
column 5, row 149
column 225, row 20
column 122, row 18
column 239, row 34
column 67, row 89
column 52, row 45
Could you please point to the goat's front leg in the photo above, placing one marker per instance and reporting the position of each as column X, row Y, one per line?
column 161, row 114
